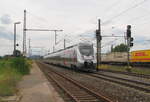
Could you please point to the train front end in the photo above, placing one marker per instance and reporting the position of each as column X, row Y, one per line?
column 86, row 57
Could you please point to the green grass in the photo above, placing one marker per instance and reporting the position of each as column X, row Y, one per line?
column 124, row 69
column 8, row 82
column 11, row 71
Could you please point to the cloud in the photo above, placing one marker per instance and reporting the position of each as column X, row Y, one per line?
column 90, row 34
column 74, row 17
column 5, row 19
column 106, row 23
column 5, row 34
column 118, row 31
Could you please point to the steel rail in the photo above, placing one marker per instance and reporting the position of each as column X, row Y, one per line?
column 127, row 84
column 81, row 86
column 49, row 77
column 99, row 96
column 74, row 98
column 127, row 73
column 124, row 79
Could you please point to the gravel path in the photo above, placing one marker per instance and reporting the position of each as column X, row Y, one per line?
column 36, row 88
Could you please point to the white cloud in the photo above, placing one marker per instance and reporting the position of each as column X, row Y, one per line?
column 5, row 19
column 5, row 34
column 75, row 17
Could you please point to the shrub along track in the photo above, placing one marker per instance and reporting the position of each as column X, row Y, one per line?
column 76, row 91
column 138, row 85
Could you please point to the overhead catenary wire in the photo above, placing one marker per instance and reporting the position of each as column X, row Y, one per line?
column 42, row 19
column 137, row 18
column 107, row 44
column 112, row 5
column 140, row 17
column 144, row 19
column 126, row 10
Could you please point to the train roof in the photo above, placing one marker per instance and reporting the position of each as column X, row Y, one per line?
column 141, row 50
column 63, row 49
column 70, row 47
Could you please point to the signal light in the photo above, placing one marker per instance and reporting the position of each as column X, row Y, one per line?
column 131, row 44
column 17, row 44
column 131, row 41
column 98, row 35
column 128, row 31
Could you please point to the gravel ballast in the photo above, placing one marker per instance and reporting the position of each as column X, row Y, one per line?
column 114, row 91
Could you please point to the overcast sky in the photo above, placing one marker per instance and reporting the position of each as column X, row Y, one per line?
column 77, row 18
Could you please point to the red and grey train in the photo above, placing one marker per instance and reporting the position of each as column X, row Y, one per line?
column 80, row 56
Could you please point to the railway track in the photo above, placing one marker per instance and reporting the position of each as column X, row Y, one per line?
column 138, row 85
column 76, row 91
column 127, row 73
column 141, row 86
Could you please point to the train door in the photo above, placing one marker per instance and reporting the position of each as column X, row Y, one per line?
column 74, row 57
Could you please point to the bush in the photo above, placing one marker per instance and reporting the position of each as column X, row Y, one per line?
column 21, row 65
column 11, row 71
column 8, row 81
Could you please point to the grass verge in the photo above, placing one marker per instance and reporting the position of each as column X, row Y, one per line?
column 11, row 71
column 124, row 69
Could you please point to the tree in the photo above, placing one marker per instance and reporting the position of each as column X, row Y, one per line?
column 120, row 48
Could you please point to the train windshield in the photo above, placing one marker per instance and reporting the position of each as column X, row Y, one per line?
column 86, row 50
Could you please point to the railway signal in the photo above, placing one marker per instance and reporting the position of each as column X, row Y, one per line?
column 128, row 31
column 98, row 38
column 129, row 38
column 129, row 43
